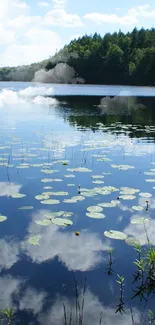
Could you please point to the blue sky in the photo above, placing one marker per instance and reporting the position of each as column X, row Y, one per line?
column 32, row 30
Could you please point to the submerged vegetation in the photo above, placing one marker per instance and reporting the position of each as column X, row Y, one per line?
column 116, row 58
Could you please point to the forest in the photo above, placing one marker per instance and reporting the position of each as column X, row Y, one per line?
column 118, row 58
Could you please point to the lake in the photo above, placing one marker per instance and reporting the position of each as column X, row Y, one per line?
column 77, row 200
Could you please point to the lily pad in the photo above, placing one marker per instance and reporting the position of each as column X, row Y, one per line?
column 94, row 208
column 22, row 167
column 97, row 176
column 3, row 218
column 143, row 194
column 50, row 202
column 17, row 195
column 122, row 167
column 127, row 197
column 95, row 215
column 132, row 241
column 50, row 180
column 47, row 187
column 44, row 222
column 56, row 214
column 137, row 208
column 27, row 207
column 107, row 205
column 88, row 194
column 42, row 197
column 139, row 221
column 116, row 202
column 150, row 180
column 78, row 198
column 48, row 171
column 80, row 169
column 62, row 222
column 98, row 182
column 34, row 240
column 67, row 214
column 114, row 234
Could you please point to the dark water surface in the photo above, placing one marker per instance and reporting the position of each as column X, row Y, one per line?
column 87, row 147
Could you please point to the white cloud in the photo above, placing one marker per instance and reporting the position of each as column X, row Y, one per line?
column 64, row 245
column 100, row 19
column 8, row 287
column 40, row 45
column 32, row 300
column 6, row 35
column 59, row 17
column 142, row 11
column 138, row 231
column 9, row 253
column 131, row 18
column 22, row 21
column 6, row 188
column 43, row 4
column 59, row 3
column 20, row 4
column 92, row 311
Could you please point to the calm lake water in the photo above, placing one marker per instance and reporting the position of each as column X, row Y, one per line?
column 74, row 168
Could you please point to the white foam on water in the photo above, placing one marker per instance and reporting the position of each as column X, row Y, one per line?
column 34, row 95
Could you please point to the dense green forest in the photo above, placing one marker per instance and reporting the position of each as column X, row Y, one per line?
column 116, row 58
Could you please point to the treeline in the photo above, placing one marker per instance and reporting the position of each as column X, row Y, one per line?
column 116, row 58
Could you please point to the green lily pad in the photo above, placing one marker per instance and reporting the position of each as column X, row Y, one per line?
column 78, row 198
column 44, row 222
column 107, row 205
column 22, row 167
column 62, row 222
column 129, row 190
column 150, row 180
column 49, row 180
column 98, row 182
column 139, row 221
column 114, row 234
column 48, row 171
column 17, row 195
column 50, row 202
column 94, row 208
column 97, row 176
column 131, row 241
column 67, row 214
column 34, row 240
column 127, row 197
column 80, row 169
column 146, row 195
column 3, row 218
column 47, row 187
column 122, row 167
column 95, row 215
column 137, row 208
column 56, row 214
column 88, row 194
column 27, row 207
column 42, row 197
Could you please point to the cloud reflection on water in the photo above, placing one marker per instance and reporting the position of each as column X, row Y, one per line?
column 77, row 253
